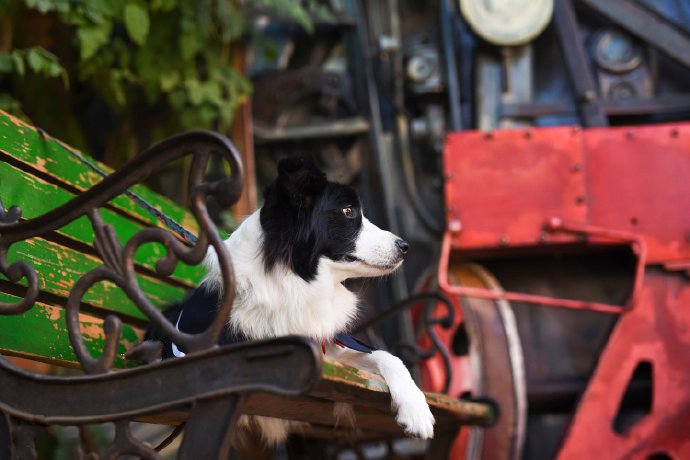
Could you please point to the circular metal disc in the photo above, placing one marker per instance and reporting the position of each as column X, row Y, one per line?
column 498, row 368
column 507, row 22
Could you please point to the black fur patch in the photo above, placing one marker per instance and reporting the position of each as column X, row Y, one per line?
column 303, row 220
column 193, row 315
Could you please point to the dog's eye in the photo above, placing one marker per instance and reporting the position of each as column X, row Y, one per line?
column 349, row 212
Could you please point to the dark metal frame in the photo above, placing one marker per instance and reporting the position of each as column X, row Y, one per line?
column 429, row 321
column 210, row 381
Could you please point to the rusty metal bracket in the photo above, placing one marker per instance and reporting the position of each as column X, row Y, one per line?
column 555, row 224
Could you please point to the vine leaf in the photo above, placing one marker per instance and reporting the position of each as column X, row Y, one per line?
column 137, row 22
column 92, row 39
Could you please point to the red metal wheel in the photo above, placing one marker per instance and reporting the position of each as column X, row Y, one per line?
column 486, row 362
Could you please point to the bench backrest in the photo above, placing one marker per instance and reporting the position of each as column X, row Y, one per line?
column 39, row 173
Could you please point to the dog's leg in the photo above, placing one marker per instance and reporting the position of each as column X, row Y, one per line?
column 413, row 413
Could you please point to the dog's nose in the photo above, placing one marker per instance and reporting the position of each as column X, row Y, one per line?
column 402, row 245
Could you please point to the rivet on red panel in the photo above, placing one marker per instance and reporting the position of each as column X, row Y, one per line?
column 454, row 226
column 554, row 223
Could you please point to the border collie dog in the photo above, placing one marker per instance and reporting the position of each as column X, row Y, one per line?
column 290, row 259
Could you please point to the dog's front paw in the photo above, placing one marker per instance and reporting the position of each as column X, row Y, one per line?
column 415, row 417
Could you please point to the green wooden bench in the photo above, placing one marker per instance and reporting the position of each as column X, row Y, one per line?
column 103, row 270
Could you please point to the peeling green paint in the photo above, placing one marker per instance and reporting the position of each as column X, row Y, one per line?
column 42, row 332
column 18, row 187
column 50, row 157
column 60, row 268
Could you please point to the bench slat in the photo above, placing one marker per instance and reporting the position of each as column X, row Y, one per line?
column 369, row 396
column 60, row 267
column 356, row 386
column 41, row 334
column 48, row 156
column 19, row 187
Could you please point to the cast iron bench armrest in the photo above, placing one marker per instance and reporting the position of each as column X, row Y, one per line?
column 366, row 392
column 287, row 366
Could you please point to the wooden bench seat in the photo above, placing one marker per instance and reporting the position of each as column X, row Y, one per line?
column 367, row 392
column 40, row 174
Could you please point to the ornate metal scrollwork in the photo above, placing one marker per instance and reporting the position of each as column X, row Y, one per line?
column 118, row 266
column 17, row 270
column 429, row 320
column 30, row 401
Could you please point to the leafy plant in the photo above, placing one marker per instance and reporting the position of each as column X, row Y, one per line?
column 159, row 65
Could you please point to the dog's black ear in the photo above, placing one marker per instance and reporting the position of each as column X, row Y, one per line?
column 301, row 180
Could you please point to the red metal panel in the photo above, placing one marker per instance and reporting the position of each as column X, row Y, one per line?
column 503, row 186
column 657, row 331
column 638, row 181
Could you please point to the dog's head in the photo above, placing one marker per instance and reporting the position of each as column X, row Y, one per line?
column 306, row 218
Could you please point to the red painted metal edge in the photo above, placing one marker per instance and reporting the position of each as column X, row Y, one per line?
column 555, row 225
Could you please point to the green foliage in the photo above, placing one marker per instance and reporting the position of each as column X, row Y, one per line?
column 35, row 59
column 136, row 18
column 168, row 62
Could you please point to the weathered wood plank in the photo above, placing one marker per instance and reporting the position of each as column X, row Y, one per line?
column 369, row 396
column 25, row 144
column 356, row 386
column 60, row 268
column 316, row 410
column 18, row 187
column 41, row 334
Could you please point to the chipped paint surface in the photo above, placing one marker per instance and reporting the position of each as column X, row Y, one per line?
column 18, row 187
column 51, row 157
column 42, row 332
column 60, row 268
column 337, row 372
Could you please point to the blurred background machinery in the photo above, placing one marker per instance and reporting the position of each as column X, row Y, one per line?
column 536, row 155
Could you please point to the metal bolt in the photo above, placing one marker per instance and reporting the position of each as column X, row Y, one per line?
column 504, row 240
column 577, row 167
column 527, row 133
column 580, row 199
column 489, row 135
column 543, row 236
column 449, row 177
column 554, row 223
column 629, row 133
column 576, row 130
column 454, row 226
column 589, row 96
column 675, row 132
